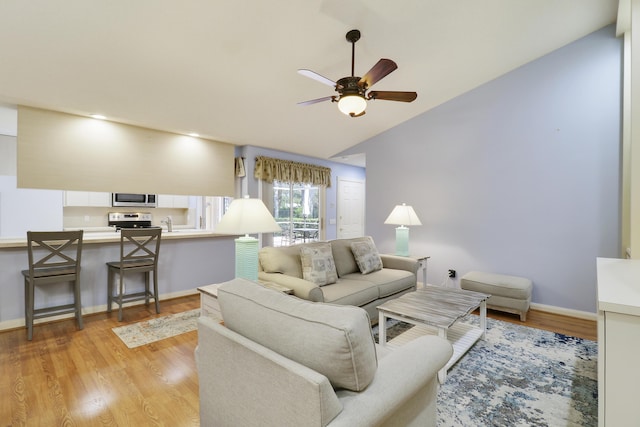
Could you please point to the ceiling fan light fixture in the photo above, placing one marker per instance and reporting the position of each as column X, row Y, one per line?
column 352, row 90
column 352, row 105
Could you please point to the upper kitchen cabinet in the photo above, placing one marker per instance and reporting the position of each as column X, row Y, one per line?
column 23, row 209
column 173, row 201
column 87, row 198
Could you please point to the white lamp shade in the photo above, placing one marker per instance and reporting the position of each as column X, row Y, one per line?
column 352, row 104
column 247, row 216
column 403, row 215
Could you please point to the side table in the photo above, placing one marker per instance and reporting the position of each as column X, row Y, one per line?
column 209, row 298
column 422, row 260
column 209, row 301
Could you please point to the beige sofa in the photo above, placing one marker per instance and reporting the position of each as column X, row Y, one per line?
column 397, row 275
column 283, row 361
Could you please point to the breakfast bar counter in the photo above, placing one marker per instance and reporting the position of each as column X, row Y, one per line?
column 113, row 236
column 188, row 259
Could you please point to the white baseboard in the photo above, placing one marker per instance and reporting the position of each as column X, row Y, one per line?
column 20, row 323
column 565, row 311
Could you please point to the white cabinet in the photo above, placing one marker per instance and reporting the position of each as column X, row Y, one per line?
column 173, row 201
column 180, row 201
column 87, row 198
column 618, row 342
column 23, row 209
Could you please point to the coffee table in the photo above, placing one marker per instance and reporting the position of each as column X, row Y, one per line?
column 436, row 310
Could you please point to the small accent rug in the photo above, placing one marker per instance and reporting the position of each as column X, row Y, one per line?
column 519, row 376
column 148, row 331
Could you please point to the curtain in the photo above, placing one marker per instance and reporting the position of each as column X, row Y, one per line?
column 240, row 171
column 269, row 169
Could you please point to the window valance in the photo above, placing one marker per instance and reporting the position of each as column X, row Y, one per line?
column 270, row 169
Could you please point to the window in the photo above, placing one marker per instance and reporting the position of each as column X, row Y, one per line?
column 213, row 208
column 297, row 209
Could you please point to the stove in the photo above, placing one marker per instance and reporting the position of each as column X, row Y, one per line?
column 130, row 220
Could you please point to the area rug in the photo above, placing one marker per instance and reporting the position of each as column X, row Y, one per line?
column 520, row 376
column 148, row 331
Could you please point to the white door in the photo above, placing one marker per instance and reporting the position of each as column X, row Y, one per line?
column 350, row 208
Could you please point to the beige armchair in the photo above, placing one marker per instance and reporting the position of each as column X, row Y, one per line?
column 282, row 361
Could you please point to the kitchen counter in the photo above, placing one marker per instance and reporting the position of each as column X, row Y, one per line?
column 113, row 236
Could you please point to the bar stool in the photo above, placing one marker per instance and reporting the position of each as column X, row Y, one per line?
column 139, row 248
column 52, row 259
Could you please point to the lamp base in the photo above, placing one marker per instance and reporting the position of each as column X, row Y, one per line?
column 402, row 241
column 247, row 258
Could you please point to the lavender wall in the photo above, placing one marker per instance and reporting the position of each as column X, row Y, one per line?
column 519, row 176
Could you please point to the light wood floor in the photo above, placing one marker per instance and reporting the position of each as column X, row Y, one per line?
column 67, row 377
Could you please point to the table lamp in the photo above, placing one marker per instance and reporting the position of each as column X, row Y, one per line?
column 247, row 216
column 402, row 215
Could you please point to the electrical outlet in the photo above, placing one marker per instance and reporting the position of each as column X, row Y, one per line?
column 452, row 273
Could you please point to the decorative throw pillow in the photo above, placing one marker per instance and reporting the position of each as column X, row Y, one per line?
column 367, row 256
column 317, row 264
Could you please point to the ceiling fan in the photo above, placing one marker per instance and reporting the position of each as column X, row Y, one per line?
column 352, row 91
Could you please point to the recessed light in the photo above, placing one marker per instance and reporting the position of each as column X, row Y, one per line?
column 193, row 134
column 98, row 116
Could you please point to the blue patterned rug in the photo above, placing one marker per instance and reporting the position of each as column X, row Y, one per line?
column 520, row 376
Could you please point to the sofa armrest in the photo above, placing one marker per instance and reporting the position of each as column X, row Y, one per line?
column 301, row 288
column 404, row 389
column 398, row 262
column 233, row 370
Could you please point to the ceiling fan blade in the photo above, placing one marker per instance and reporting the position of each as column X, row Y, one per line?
column 315, row 101
column 315, row 76
column 392, row 95
column 382, row 68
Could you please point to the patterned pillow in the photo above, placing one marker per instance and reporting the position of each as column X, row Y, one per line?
column 367, row 256
column 317, row 264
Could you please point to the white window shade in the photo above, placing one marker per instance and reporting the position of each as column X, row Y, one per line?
column 67, row 152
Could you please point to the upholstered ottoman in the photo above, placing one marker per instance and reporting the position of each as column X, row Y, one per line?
column 508, row 293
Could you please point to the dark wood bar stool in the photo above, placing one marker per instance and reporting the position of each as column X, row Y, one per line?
column 54, row 257
column 139, row 248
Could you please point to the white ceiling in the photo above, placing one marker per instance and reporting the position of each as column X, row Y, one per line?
column 227, row 69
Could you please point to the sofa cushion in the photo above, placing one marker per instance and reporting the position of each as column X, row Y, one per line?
column 351, row 290
column 285, row 260
column 334, row 340
column 367, row 256
column 388, row 281
column 343, row 255
column 317, row 264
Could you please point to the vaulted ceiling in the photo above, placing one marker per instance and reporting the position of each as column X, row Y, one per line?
column 227, row 69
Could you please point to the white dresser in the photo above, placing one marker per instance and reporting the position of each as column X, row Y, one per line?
column 618, row 342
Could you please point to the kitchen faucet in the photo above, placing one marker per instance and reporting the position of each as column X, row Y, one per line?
column 169, row 221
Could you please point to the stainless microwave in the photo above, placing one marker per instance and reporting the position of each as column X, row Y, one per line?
column 134, row 200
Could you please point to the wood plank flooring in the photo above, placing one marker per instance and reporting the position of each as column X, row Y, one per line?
column 67, row 377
